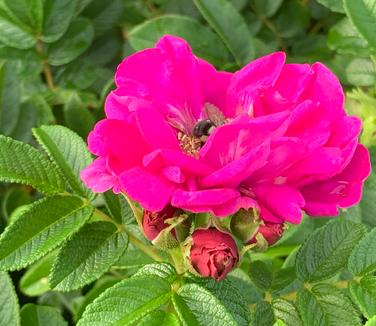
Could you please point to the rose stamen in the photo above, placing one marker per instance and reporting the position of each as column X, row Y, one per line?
column 189, row 144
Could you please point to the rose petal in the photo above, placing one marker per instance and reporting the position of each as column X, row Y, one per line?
column 150, row 190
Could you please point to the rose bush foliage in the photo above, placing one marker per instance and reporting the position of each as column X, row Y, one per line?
column 231, row 132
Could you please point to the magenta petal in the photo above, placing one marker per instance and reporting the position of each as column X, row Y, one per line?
column 151, row 191
column 219, row 202
column 98, row 177
column 309, row 124
column 321, row 209
column 230, row 142
column 174, row 174
column 342, row 190
column 283, row 201
column 326, row 90
column 232, row 174
column 155, row 130
column 344, row 130
column 164, row 157
column 204, row 197
column 320, row 164
column 120, row 142
column 214, row 83
column 260, row 73
column 293, row 79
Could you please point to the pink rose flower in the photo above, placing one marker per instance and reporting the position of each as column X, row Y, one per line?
column 154, row 222
column 271, row 232
column 272, row 136
column 213, row 253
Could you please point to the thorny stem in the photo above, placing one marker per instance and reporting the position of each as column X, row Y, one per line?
column 150, row 251
column 46, row 68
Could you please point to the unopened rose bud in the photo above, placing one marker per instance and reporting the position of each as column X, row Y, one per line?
column 271, row 232
column 154, row 222
column 213, row 253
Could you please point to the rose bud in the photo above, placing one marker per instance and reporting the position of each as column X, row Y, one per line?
column 213, row 253
column 271, row 232
column 154, row 222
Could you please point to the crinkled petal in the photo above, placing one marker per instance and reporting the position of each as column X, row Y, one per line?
column 283, row 201
column 259, row 74
column 155, row 130
column 232, row 174
column 98, row 177
column 219, row 202
column 342, row 190
column 326, row 90
column 164, row 157
column 231, row 141
column 120, row 142
column 293, row 79
column 150, row 190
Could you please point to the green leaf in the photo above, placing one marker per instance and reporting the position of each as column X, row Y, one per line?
column 261, row 274
column 87, row 255
column 118, row 208
column 79, row 74
column 133, row 258
column 362, row 14
column 345, row 39
column 203, row 41
column 28, row 166
column 286, row 311
column 127, row 302
column 40, row 228
column 363, row 294
column 333, row 5
column 368, row 202
column 9, row 309
column 361, row 72
column 74, row 42
column 104, row 14
column 327, row 250
column 36, row 315
column 163, row 270
column 57, row 16
column 100, row 286
column 197, row 306
column 326, row 305
column 29, row 12
column 77, row 116
column 159, row 318
column 13, row 32
column 266, row 8
column 68, row 151
column 230, row 297
column 35, row 281
column 262, row 314
column 363, row 258
column 230, row 26
column 9, row 98
column 371, row 322
column 243, row 283
column 264, row 277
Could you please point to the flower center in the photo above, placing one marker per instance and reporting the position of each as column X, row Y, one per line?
column 189, row 144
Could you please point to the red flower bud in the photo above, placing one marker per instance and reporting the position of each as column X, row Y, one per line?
column 213, row 253
column 154, row 222
column 272, row 232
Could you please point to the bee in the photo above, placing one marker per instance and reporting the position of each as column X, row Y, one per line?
column 204, row 128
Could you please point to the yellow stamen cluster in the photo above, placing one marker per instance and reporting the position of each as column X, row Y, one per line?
column 189, row 144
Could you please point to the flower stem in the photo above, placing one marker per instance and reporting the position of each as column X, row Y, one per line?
column 178, row 259
column 150, row 251
column 46, row 67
